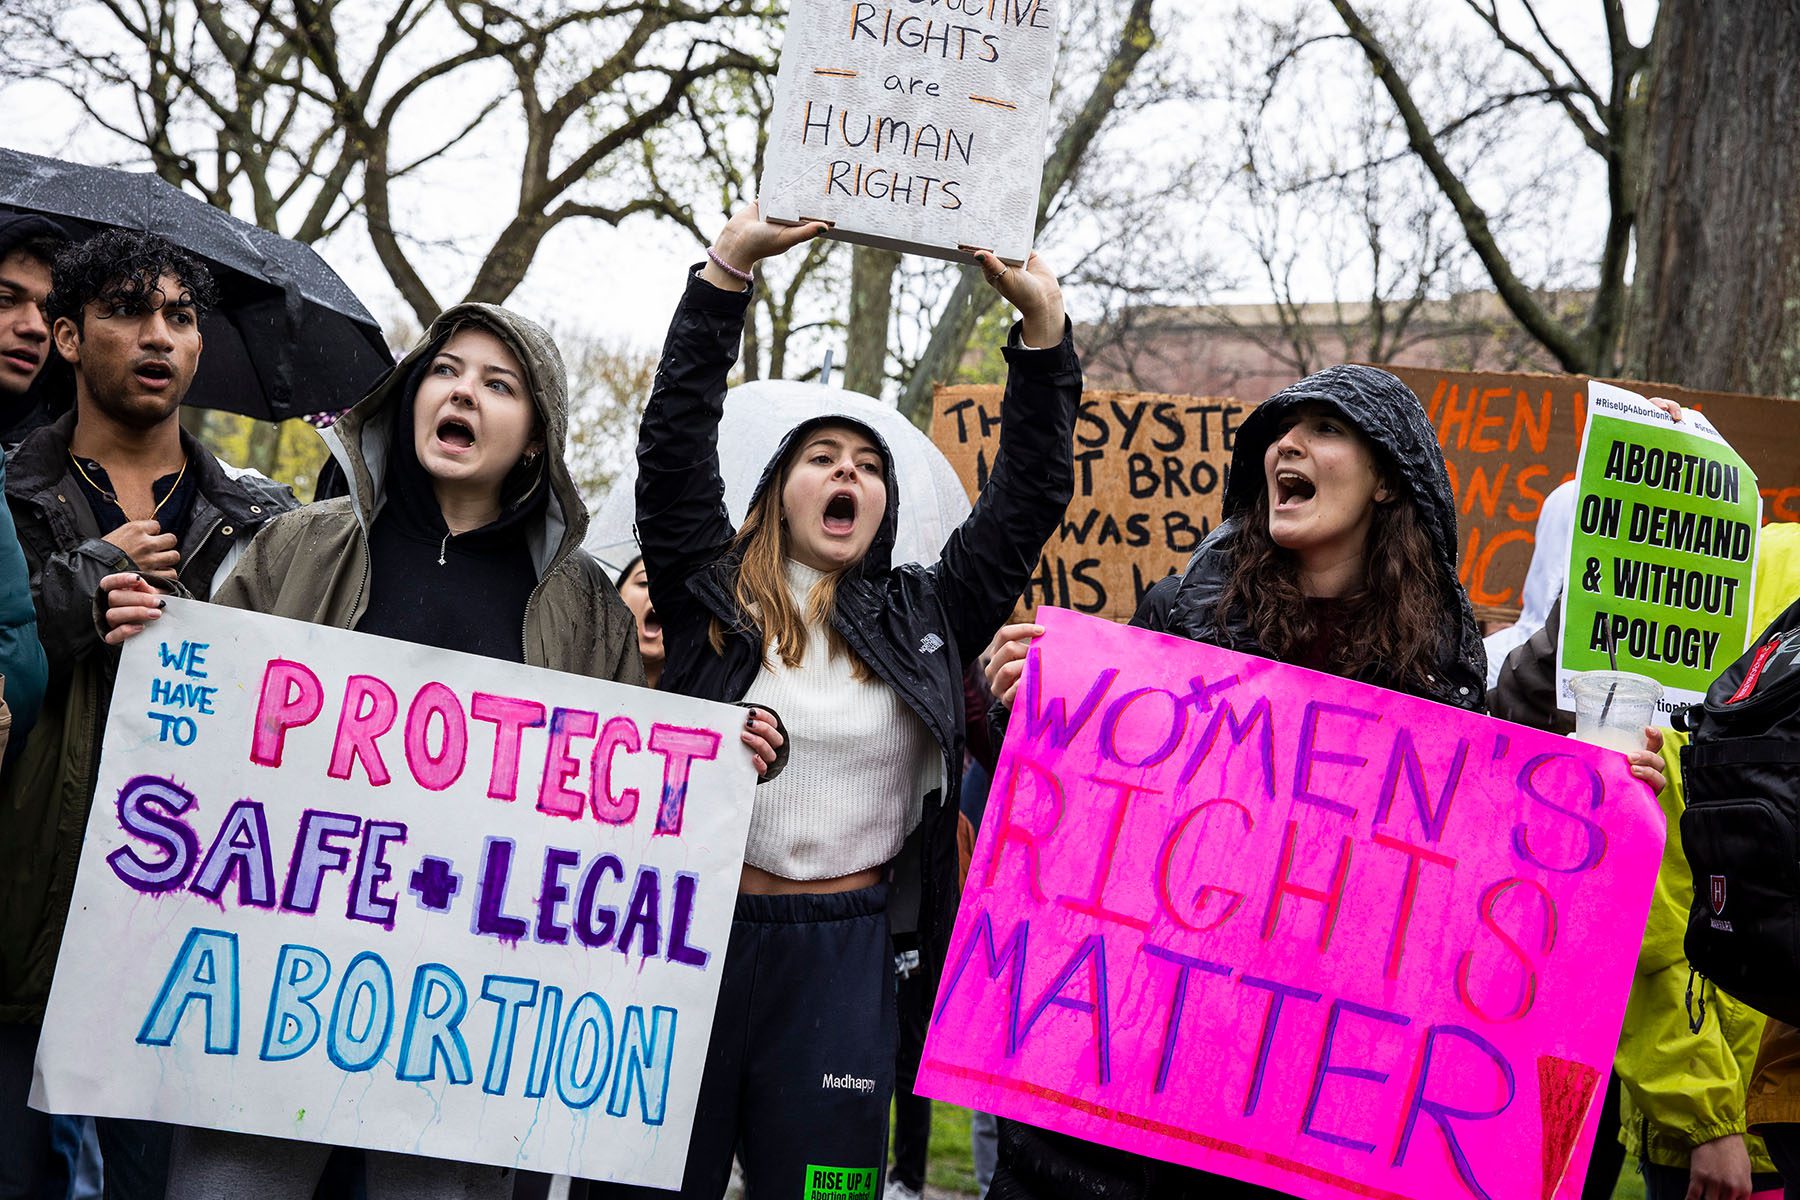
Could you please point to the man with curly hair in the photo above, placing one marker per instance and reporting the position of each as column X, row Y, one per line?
column 113, row 485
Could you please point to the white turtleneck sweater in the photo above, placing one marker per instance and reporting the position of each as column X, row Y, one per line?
column 852, row 789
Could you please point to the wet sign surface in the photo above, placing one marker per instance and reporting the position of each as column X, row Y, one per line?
column 344, row 889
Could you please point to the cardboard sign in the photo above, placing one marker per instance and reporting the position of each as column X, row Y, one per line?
column 916, row 127
column 343, row 889
column 1510, row 439
column 1662, row 560
column 1149, row 479
column 1291, row 928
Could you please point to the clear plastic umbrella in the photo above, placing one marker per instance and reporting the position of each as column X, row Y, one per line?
column 757, row 416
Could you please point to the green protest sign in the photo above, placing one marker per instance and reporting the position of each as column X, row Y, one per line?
column 1661, row 564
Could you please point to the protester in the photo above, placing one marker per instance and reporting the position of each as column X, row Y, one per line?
column 113, row 486
column 1545, row 578
column 1773, row 1099
column 801, row 608
column 634, row 586
column 1687, row 1051
column 462, row 531
column 27, row 247
column 1337, row 553
column 34, row 382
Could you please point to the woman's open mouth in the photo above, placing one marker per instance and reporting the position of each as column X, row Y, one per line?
column 455, row 434
column 1292, row 489
column 840, row 514
column 652, row 624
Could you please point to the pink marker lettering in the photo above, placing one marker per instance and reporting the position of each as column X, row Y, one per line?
column 618, row 808
column 511, row 717
column 680, row 747
column 369, row 711
column 553, row 796
column 436, row 772
column 291, row 696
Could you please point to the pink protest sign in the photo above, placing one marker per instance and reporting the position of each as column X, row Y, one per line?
column 1291, row 928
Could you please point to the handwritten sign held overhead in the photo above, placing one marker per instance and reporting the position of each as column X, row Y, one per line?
column 1292, row 928
column 343, row 889
column 917, row 127
column 1663, row 557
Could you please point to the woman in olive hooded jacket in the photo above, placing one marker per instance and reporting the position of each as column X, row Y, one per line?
column 462, row 530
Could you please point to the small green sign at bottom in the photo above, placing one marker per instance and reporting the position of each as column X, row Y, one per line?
column 839, row 1183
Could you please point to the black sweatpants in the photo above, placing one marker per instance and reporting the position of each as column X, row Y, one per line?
column 800, row 1068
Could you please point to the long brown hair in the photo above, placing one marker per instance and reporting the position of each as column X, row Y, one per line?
column 760, row 548
column 1392, row 624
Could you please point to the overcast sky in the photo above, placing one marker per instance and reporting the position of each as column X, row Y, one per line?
column 624, row 282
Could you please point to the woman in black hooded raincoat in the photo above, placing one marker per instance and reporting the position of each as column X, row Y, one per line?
column 1337, row 553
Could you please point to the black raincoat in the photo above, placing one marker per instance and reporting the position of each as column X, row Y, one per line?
column 916, row 627
column 1038, row 1165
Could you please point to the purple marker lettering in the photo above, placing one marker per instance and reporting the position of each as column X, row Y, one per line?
column 372, row 870
column 241, row 848
column 314, row 855
column 552, row 895
column 150, row 808
column 490, row 915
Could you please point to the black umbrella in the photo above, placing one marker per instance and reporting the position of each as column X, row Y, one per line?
column 289, row 337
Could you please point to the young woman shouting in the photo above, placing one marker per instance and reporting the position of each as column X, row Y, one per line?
column 462, row 530
column 802, row 610
column 1337, row 553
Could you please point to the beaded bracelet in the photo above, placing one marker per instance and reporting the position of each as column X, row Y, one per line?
column 743, row 277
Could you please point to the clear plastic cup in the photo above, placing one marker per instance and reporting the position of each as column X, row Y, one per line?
column 1612, row 708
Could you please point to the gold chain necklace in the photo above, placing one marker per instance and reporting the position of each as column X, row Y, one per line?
column 114, row 497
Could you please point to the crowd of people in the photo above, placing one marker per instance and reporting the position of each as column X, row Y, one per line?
column 866, row 684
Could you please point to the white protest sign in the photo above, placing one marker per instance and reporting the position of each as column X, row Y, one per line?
column 913, row 125
column 350, row 890
column 1662, row 562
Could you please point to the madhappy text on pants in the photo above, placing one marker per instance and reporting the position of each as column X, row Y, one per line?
column 852, row 1083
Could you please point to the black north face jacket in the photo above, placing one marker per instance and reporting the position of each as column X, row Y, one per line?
column 916, row 627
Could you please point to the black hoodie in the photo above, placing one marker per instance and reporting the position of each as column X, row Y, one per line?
column 53, row 391
column 466, row 591
column 1386, row 412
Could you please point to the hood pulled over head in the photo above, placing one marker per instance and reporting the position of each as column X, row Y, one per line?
column 881, row 551
column 1385, row 411
column 365, row 438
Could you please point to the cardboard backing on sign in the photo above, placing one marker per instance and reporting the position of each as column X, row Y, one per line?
column 1150, row 472
column 1149, row 480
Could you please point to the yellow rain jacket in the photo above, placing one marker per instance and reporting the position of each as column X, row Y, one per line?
column 1683, row 1088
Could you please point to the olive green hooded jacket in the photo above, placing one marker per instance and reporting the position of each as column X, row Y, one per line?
column 313, row 564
